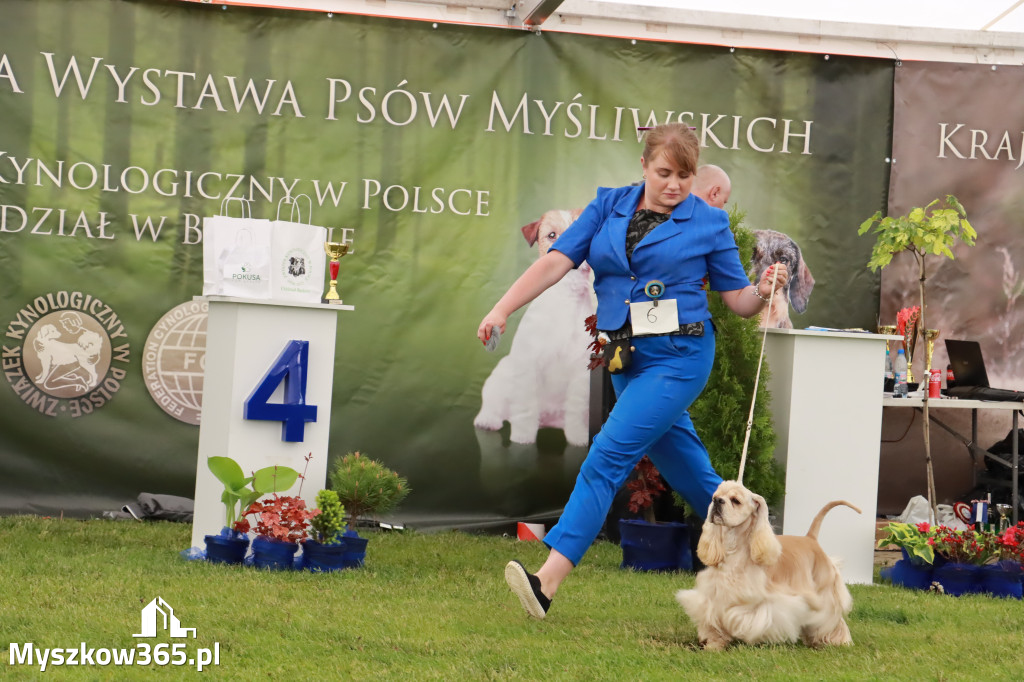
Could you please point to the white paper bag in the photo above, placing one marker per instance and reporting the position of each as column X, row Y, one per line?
column 236, row 254
column 297, row 255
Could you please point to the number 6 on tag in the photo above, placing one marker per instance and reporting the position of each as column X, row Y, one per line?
column 648, row 318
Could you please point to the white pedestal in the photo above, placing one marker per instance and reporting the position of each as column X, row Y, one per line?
column 827, row 407
column 244, row 339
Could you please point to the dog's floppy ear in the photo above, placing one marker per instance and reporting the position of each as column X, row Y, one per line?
column 765, row 548
column 711, row 548
column 531, row 231
column 801, row 284
column 757, row 256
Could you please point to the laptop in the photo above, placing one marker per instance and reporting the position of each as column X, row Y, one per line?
column 970, row 375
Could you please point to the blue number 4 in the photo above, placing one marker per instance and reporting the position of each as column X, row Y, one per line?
column 291, row 366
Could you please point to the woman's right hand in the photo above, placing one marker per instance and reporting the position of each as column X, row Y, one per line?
column 544, row 272
column 491, row 319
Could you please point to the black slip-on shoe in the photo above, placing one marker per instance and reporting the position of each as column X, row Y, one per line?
column 526, row 586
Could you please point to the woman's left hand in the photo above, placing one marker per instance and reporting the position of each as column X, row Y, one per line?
column 781, row 275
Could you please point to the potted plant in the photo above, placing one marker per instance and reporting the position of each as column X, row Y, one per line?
column 965, row 552
column 1002, row 577
column 324, row 549
column 913, row 540
column 281, row 522
column 649, row 545
column 914, row 570
column 240, row 491
column 932, row 230
column 366, row 488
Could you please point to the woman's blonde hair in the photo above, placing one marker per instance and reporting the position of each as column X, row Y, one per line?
column 677, row 141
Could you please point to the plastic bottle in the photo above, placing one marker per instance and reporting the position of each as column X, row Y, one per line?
column 899, row 387
column 888, row 365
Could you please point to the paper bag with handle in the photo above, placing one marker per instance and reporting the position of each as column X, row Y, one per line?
column 297, row 253
column 236, row 253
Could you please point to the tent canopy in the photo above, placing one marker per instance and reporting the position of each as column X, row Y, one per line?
column 983, row 15
column 982, row 32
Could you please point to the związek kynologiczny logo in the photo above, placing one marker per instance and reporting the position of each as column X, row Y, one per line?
column 69, row 353
column 157, row 615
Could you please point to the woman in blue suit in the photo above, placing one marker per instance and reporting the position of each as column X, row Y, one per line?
column 650, row 247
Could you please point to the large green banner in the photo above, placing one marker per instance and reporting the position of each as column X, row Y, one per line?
column 447, row 155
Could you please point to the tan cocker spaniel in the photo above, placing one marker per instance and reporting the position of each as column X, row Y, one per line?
column 759, row 587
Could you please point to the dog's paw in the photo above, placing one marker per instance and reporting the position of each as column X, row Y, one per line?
column 523, row 437
column 714, row 644
column 488, row 422
column 579, row 437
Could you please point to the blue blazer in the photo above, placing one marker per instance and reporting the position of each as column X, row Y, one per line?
column 693, row 243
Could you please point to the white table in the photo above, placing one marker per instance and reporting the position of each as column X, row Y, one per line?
column 828, row 427
column 940, row 404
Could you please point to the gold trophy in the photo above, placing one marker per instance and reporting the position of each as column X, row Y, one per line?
column 909, row 342
column 929, row 339
column 888, row 330
column 335, row 250
column 1004, row 512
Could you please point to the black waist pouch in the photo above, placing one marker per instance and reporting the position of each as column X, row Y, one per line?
column 617, row 355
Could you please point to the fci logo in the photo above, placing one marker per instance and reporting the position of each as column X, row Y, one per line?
column 158, row 614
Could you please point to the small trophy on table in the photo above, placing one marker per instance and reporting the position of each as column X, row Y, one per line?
column 906, row 326
column 1004, row 516
column 929, row 336
column 335, row 250
column 888, row 330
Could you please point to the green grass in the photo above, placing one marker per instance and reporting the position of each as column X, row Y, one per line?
column 435, row 607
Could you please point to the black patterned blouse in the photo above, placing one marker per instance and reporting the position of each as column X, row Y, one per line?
column 640, row 225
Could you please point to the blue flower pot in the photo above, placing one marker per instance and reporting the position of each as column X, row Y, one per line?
column 227, row 548
column 906, row 573
column 654, row 546
column 1002, row 579
column 273, row 554
column 320, row 558
column 958, row 579
column 355, row 549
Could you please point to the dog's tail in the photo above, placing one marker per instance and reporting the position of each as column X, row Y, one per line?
column 812, row 532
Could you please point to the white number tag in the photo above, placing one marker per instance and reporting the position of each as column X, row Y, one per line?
column 648, row 318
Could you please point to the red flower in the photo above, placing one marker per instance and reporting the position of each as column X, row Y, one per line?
column 963, row 546
column 924, row 527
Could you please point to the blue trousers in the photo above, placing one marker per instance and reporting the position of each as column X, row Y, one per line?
column 650, row 416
